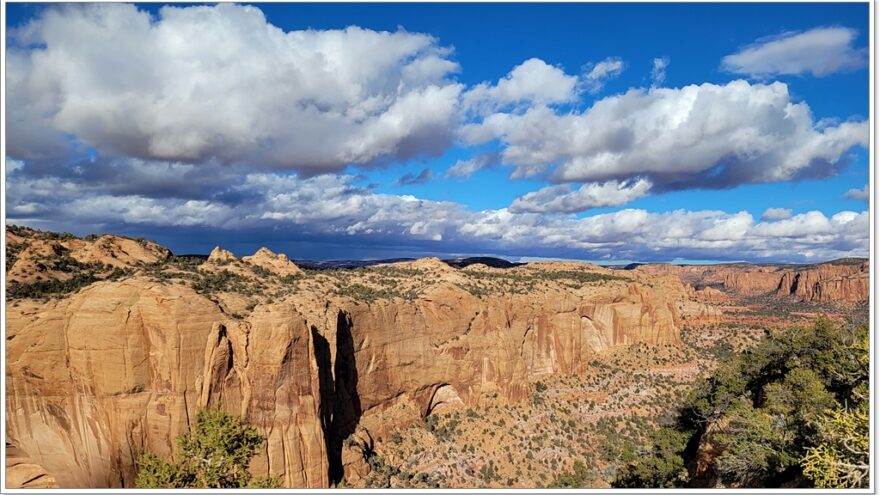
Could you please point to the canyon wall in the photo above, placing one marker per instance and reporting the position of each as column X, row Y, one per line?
column 842, row 280
column 118, row 368
column 827, row 282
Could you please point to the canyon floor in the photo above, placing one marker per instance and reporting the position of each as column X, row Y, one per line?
column 600, row 417
column 411, row 374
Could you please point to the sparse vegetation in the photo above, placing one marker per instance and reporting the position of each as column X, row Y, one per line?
column 12, row 252
column 45, row 288
column 579, row 477
column 215, row 453
column 777, row 411
column 524, row 281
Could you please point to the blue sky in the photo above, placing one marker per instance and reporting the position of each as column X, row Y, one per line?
column 258, row 155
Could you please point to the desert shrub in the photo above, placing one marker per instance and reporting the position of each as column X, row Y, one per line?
column 215, row 453
column 782, row 412
column 220, row 281
column 12, row 252
column 43, row 288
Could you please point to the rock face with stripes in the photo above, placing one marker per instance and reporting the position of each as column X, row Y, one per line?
column 117, row 368
column 839, row 280
column 827, row 282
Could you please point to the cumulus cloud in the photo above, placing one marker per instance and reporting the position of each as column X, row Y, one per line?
column 639, row 235
column 409, row 178
column 220, row 82
column 531, row 82
column 658, row 71
column 209, row 117
column 562, row 199
column 776, row 214
column 13, row 165
column 467, row 168
column 809, row 226
column 698, row 136
column 333, row 207
column 602, row 72
column 820, row 52
column 326, row 204
column 861, row 194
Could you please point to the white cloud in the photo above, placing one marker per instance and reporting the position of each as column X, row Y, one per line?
column 332, row 206
column 658, row 71
column 220, row 82
column 814, row 226
column 819, row 51
column 697, row 136
column 861, row 194
column 562, row 199
column 638, row 234
column 13, row 165
column 191, row 109
column 467, row 168
column 776, row 214
column 531, row 82
column 602, row 72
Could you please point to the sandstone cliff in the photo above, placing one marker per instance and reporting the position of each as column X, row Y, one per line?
column 827, row 282
column 97, row 376
column 22, row 472
column 842, row 280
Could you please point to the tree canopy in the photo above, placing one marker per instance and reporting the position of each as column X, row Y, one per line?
column 215, row 453
column 793, row 410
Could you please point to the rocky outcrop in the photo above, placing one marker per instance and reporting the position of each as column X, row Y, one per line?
column 221, row 256
column 751, row 282
column 278, row 264
column 739, row 278
column 708, row 450
column 23, row 472
column 842, row 280
column 710, row 294
column 827, row 282
column 118, row 368
column 118, row 252
column 43, row 257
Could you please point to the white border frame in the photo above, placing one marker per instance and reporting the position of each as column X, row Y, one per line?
column 872, row 50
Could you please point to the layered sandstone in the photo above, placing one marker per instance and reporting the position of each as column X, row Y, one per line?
column 221, row 256
column 38, row 255
column 118, row 368
column 278, row 264
column 118, row 252
column 122, row 367
column 752, row 282
column 827, row 282
column 844, row 280
column 23, row 472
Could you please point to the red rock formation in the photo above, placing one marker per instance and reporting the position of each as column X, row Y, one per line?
column 121, row 367
column 845, row 280
column 754, row 282
column 35, row 261
column 827, row 282
column 278, row 264
column 23, row 472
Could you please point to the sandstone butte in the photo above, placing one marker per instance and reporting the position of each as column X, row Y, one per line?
column 840, row 280
column 102, row 374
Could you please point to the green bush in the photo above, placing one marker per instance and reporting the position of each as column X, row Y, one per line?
column 579, row 477
column 42, row 288
column 781, row 413
column 215, row 453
